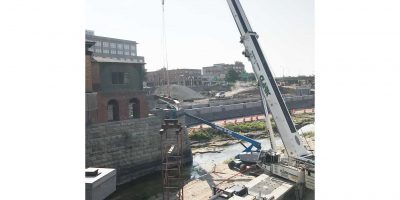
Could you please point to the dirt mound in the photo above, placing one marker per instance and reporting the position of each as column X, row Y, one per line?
column 179, row 92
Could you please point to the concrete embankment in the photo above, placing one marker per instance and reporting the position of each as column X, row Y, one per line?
column 240, row 108
column 132, row 147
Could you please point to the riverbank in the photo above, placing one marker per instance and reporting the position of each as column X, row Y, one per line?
column 209, row 166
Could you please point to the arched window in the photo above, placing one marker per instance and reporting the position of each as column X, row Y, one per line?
column 134, row 108
column 112, row 110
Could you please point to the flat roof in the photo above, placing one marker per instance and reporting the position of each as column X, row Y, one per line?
column 110, row 38
column 104, row 173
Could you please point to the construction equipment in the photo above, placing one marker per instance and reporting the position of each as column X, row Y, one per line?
column 299, row 164
column 252, row 142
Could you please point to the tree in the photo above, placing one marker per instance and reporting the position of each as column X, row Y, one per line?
column 231, row 76
column 247, row 77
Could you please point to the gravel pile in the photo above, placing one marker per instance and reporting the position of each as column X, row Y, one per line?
column 179, row 92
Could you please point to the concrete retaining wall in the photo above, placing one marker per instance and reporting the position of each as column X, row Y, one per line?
column 130, row 146
column 222, row 112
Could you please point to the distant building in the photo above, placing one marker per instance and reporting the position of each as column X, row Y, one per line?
column 187, row 77
column 119, row 49
column 216, row 73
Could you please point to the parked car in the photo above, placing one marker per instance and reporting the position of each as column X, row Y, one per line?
column 220, row 95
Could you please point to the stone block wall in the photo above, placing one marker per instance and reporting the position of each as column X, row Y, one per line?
column 221, row 112
column 132, row 147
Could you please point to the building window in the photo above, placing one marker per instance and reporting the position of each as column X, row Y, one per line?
column 126, row 46
column 97, row 50
column 112, row 45
column 127, row 53
column 134, row 108
column 98, row 44
column 113, row 51
column 106, row 51
column 105, row 44
column 133, row 53
column 120, row 52
column 133, row 47
column 112, row 110
column 119, row 46
column 119, row 78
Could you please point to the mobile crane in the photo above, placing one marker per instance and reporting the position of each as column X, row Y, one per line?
column 299, row 166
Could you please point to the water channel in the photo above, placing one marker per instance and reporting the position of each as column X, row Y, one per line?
column 149, row 186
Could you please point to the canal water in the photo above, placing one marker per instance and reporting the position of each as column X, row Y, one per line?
column 149, row 186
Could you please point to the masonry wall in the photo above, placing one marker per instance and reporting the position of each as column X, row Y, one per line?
column 134, row 71
column 123, row 99
column 130, row 146
column 88, row 74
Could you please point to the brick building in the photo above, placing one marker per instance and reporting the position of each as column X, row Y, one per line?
column 118, row 49
column 216, row 73
column 187, row 77
column 114, row 89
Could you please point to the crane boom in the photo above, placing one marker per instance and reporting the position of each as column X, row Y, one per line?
column 269, row 89
column 238, row 136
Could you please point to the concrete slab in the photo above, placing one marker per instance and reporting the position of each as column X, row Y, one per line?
column 268, row 187
column 102, row 185
column 248, row 197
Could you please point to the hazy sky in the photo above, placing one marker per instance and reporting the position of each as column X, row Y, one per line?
column 203, row 32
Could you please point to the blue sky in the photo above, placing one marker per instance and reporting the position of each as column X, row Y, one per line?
column 202, row 33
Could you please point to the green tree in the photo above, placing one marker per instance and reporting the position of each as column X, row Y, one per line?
column 231, row 76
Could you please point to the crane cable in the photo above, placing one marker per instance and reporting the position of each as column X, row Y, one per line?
column 164, row 48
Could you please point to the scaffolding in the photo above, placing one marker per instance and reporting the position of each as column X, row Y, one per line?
column 172, row 159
